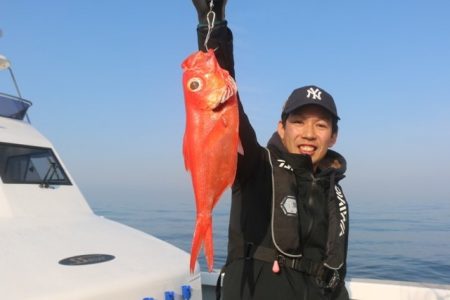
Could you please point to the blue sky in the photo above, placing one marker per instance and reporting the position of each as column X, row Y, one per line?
column 105, row 80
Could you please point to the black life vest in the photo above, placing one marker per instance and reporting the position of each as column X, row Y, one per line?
column 295, row 196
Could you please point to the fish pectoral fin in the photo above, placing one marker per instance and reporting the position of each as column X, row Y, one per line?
column 224, row 121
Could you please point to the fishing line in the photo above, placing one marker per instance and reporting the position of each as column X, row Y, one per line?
column 210, row 18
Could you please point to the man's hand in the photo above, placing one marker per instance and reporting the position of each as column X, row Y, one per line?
column 202, row 7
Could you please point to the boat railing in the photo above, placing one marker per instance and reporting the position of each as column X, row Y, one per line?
column 13, row 107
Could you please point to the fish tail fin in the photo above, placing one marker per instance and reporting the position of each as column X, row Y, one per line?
column 209, row 249
column 202, row 229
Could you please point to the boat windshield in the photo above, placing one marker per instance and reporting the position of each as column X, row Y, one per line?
column 27, row 164
column 13, row 107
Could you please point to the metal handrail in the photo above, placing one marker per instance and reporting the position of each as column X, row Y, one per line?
column 16, row 108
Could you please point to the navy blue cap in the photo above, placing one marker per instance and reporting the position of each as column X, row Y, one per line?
column 310, row 94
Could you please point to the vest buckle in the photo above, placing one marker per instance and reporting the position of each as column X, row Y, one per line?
column 281, row 260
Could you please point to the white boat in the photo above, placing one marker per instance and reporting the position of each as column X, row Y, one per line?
column 53, row 247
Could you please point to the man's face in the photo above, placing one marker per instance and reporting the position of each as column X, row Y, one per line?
column 308, row 131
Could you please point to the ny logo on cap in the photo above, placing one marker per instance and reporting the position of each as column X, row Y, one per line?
column 315, row 93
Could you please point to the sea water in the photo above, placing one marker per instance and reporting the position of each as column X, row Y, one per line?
column 391, row 240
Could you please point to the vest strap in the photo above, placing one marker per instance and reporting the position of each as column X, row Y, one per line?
column 325, row 277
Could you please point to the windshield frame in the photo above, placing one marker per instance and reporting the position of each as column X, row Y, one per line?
column 31, row 165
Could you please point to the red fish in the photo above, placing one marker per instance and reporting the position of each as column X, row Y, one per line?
column 210, row 142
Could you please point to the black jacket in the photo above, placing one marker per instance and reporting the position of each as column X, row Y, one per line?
column 254, row 232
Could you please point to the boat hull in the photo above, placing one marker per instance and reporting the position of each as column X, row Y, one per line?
column 131, row 264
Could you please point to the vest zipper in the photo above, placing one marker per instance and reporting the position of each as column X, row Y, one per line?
column 308, row 205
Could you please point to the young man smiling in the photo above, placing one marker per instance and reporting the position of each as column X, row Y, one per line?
column 309, row 123
column 288, row 230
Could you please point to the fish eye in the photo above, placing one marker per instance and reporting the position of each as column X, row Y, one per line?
column 195, row 84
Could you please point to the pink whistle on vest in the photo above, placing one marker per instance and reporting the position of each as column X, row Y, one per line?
column 276, row 267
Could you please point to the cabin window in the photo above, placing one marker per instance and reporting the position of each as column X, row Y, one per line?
column 27, row 164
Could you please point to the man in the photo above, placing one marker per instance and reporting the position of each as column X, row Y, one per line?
column 288, row 229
